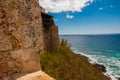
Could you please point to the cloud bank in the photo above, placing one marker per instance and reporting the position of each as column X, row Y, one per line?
column 57, row 6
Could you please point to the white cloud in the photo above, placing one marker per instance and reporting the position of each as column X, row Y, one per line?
column 57, row 6
column 69, row 16
column 100, row 8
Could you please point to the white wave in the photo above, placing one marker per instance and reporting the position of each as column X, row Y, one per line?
column 106, row 61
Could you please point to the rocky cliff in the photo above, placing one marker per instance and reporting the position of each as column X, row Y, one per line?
column 50, row 30
column 24, row 33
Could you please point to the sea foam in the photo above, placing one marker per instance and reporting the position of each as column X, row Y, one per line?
column 103, row 60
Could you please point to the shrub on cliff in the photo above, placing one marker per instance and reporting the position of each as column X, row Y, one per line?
column 66, row 65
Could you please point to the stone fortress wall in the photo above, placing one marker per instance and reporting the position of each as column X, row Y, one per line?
column 25, row 32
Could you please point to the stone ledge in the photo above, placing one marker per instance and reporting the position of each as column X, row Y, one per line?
column 39, row 75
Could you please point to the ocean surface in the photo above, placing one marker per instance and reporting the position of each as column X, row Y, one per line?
column 102, row 49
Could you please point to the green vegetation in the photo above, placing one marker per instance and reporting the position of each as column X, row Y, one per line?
column 66, row 65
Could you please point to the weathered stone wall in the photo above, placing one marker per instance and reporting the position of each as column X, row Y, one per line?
column 51, row 39
column 21, row 36
column 50, row 30
column 55, row 38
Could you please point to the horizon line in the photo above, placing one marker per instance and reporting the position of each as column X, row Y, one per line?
column 92, row 34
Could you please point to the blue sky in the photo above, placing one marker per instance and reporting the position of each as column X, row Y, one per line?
column 92, row 17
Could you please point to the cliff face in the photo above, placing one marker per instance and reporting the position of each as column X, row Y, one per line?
column 50, row 31
column 23, row 36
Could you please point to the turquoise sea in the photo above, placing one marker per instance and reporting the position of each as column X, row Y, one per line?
column 102, row 49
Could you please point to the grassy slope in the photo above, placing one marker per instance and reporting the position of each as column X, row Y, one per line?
column 66, row 65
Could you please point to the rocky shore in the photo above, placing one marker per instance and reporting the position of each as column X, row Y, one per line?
column 99, row 67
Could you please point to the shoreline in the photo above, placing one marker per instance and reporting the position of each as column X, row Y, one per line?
column 98, row 66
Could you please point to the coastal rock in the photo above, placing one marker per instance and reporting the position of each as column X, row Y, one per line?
column 118, row 78
column 100, row 67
